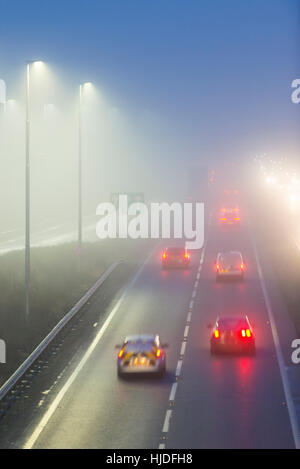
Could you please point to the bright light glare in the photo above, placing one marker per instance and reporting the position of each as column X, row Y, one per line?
column 87, row 85
column 38, row 64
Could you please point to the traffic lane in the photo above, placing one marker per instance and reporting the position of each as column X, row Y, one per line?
column 101, row 411
column 230, row 401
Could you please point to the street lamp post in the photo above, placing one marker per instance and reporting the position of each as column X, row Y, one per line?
column 27, row 193
column 80, row 172
column 81, row 93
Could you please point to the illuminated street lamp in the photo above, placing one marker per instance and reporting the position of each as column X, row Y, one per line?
column 27, row 189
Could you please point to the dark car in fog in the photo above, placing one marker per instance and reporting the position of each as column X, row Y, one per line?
column 232, row 334
column 175, row 257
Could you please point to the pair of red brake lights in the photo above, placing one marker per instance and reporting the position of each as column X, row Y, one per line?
column 245, row 333
column 186, row 255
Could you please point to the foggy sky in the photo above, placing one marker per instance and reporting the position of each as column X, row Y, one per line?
column 177, row 84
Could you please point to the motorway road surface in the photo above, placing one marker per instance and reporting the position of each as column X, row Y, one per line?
column 203, row 401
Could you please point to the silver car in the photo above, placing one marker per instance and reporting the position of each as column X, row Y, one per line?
column 230, row 265
column 142, row 353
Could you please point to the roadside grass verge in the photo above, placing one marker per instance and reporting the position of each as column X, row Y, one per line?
column 57, row 284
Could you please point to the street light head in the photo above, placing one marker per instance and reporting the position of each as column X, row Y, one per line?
column 36, row 64
column 87, row 84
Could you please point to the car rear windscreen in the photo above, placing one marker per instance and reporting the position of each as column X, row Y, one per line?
column 231, row 259
column 176, row 251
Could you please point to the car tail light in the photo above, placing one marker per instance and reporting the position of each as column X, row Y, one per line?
column 217, row 267
column 186, row 255
column 223, row 219
column 158, row 353
column 164, row 255
column 237, row 219
column 246, row 333
column 242, row 266
column 121, row 353
column 216, row 334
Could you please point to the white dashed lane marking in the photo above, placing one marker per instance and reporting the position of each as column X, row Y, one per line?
column 173, row 392
column 178, row 369
column 167, row 421
column 168, row 415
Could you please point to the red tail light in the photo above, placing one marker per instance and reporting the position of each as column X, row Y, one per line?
column 223, row 219
column 186, row 255
column 242, row 266
column 216, row 334
column 164, row 255
column 246, row 333
column 237, row 219
column 217, row 267
column 158, row 353
column 121, row 353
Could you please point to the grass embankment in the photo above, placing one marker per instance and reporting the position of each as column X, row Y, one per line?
column 56, row 285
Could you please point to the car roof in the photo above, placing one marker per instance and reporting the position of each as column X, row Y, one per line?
column 233, row 320
column 230, row 253
column 230, row 209
column 141, row 337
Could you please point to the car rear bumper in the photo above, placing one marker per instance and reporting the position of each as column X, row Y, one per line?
column 141, row 369
column 229, row 273
column 175, row 264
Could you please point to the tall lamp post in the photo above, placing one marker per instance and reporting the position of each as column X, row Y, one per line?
column 81, row 94
column 27, row 191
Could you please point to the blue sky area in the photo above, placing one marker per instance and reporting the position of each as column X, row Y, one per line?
column 217, row 73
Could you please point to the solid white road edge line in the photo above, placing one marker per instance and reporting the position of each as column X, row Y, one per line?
column 51, row 410
column 280, row 359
